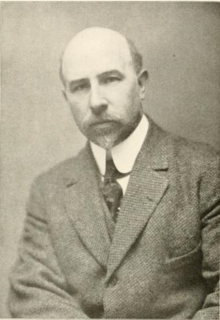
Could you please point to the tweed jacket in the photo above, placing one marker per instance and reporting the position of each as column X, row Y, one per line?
column 163, row 258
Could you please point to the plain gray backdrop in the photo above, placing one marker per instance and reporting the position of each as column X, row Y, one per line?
column 180, row 43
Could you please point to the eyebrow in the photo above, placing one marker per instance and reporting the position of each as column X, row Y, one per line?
column 110, row 73
column 77, row 81
column 100, row 76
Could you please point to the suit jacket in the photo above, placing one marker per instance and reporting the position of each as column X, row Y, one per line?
column 163, row 258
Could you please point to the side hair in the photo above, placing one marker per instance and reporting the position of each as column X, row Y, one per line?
column 137, row 58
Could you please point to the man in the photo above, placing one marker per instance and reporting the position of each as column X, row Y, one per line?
column 130, row 227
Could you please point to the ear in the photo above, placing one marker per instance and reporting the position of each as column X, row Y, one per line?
column 142, row 81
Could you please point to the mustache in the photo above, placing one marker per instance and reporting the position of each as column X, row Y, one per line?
column 100, row 119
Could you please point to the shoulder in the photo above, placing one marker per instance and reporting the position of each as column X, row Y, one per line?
column 179, row 147
column 63, row 172
column 191, row 149
column 197, row 166
column 196, row 154
column 182, row 151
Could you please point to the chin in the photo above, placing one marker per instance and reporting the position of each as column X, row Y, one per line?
column 109, row 137
column 105, row 142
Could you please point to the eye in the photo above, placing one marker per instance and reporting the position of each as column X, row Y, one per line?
column 80, row 87
column 111, row 79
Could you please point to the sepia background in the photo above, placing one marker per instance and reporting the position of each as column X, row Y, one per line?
column 180, row 43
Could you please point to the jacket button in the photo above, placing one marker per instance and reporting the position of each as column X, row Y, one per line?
column 113, row 281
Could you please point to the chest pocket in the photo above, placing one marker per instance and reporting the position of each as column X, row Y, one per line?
column 194, row 257
column 183, row 236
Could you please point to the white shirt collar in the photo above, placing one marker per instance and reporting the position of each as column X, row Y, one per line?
column 125, row 153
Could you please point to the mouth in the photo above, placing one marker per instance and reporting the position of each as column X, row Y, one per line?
column 102, row 123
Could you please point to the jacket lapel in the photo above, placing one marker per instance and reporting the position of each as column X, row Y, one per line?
column 146, row 188
column 84, row 206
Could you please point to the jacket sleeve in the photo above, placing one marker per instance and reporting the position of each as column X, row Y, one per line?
column 210, row 209
column 38, row 286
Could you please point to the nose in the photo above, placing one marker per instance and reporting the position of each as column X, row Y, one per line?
column 98, row 103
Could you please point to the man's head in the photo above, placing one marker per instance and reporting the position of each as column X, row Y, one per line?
column 104, row 84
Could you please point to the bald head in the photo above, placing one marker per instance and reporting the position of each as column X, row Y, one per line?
column 94, row 41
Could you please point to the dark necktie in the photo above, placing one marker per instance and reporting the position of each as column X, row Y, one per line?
column 112, row 190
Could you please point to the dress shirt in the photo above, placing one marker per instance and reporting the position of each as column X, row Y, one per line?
column 123, row 154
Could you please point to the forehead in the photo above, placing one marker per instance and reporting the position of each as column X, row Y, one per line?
column 85, row 58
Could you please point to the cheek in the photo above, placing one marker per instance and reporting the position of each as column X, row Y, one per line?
column 77, row 115
column 78, row 108
column 126, row 99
